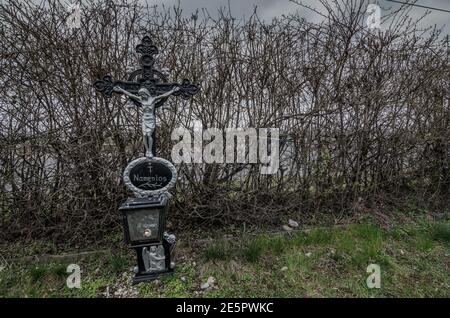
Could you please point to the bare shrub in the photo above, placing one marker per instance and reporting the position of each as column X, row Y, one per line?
column 364, row 115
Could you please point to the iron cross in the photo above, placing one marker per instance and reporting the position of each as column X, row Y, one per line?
column 150, row 79
column 147, row 77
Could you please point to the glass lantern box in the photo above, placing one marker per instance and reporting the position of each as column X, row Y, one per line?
column 144, row 220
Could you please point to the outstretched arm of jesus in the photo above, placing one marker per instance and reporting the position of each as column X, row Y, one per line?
column 159, row 97
column 121, row 90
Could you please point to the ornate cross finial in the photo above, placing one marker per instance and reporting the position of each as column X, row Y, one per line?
column 147, row 77
column 147, row 50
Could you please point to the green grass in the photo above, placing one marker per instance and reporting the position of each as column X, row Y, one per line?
column 441, row 232
column 217, row 251
column 322, row 262
column 118, row 263
column 253, row 249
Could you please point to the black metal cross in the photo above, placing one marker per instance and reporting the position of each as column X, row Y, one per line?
column 147, row 77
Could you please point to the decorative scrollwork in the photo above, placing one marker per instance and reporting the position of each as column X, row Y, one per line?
column 187, row 89
column 146, row 47
column 147, row 76
column 105, row 85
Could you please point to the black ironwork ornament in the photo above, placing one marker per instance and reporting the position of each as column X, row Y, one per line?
column 150, row 178
column 147, row 87
column 147, row 77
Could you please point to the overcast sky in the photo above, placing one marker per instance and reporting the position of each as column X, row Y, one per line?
column 268, row 9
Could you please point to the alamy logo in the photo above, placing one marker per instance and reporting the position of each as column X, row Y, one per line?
column 374, row 16
column 374, row 279
column 74, row 279
column 262, row 148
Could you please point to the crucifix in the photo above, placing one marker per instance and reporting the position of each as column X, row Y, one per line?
column 147, row 102
column 150, row 177
column 147, row 87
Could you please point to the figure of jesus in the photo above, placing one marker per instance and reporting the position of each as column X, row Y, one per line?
column 148, row 103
